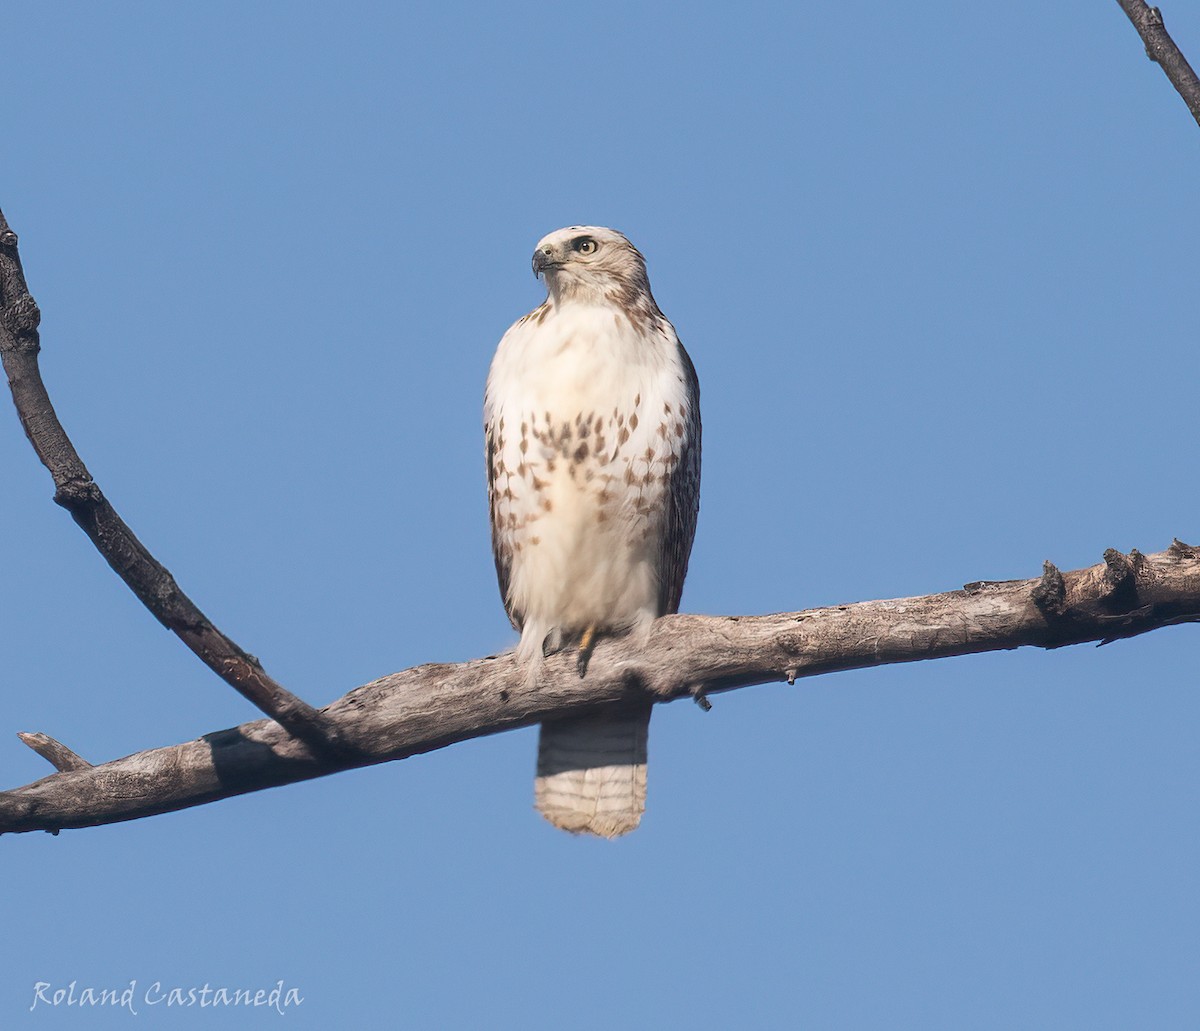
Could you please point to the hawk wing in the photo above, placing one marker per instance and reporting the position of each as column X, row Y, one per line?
column 502, row 551
column 683, row 495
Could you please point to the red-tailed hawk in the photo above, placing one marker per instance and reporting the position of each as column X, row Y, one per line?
column 592, row 423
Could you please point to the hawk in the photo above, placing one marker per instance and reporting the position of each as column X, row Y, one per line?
column 592, row 427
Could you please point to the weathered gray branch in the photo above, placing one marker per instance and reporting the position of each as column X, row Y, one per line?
column 1161, row 48
column 54, row 752
column 77, row 492
column 430, row 707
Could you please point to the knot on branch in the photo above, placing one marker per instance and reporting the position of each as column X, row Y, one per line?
column 1050, row 595
column 1179, row 550
column 1104, row 596
column 22, row 317
column 73, row 494
column 1123, row 573
column 1118, row 571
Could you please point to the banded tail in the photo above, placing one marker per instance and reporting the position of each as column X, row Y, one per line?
column 591, row 772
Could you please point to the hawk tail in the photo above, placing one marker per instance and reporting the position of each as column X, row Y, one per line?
column 591, row 772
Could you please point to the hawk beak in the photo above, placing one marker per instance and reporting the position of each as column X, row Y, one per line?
column 542, row 261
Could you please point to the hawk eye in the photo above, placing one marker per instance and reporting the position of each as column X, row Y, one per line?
column 585, row 245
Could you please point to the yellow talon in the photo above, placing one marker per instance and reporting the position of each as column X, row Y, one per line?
column 585, row 650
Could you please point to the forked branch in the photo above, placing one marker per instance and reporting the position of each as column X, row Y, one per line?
column 429, row 707
column 77, row 492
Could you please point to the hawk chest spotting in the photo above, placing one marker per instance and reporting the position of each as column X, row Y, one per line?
column 587, row 421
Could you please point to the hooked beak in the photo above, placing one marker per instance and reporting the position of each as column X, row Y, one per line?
column 542, row 261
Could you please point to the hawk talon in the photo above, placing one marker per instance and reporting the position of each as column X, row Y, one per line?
column 586, row 643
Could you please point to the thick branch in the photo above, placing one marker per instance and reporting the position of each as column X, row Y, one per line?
column 1160, row 47
column 430, row 707
column 79, row 494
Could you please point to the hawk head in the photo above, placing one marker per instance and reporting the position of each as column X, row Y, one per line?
column 591, row 263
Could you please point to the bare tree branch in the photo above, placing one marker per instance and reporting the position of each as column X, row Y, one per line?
column 429, row 707
column 1160, row 47
column 79, row 494
column 54, row 752
column 432, row 706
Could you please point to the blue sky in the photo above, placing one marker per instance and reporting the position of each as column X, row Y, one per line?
column 935, row 264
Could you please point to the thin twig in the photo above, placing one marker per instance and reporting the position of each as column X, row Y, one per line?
column 78, row 493
column 1160, row 47
column 429, row 707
